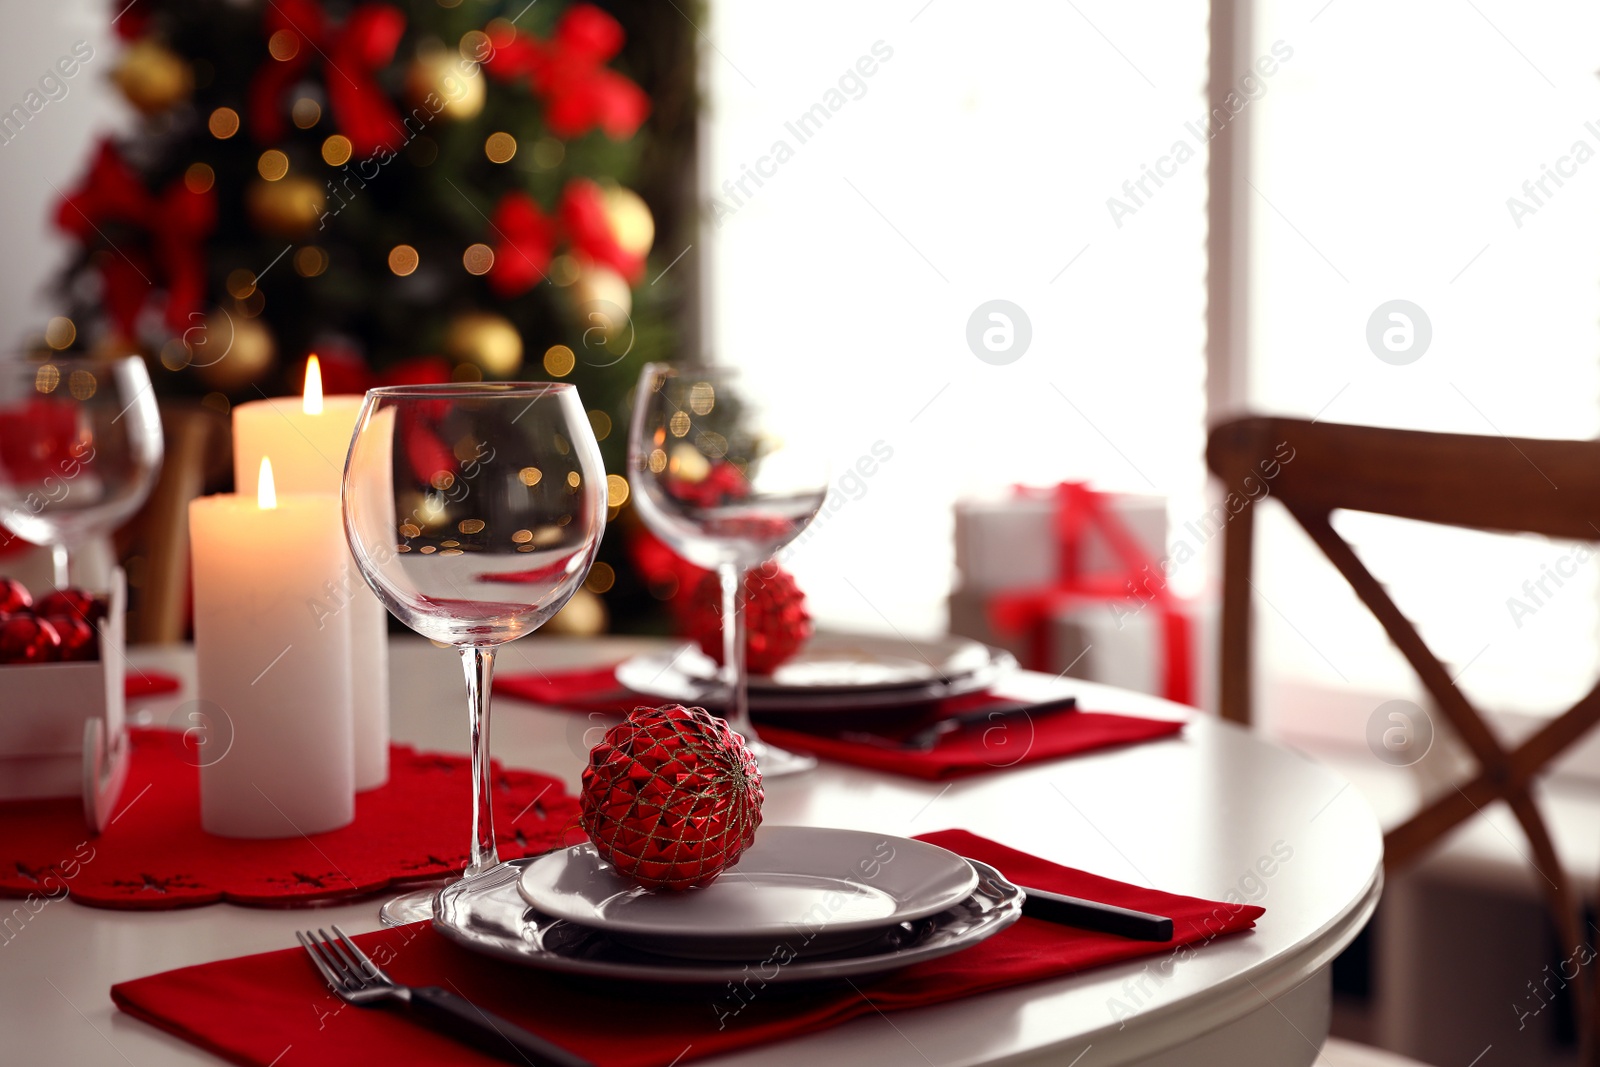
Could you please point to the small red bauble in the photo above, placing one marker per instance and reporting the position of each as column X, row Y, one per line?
column 14, row 596
column 69, row 602
column 671, row 797
column 26, row 639
column 777, row 623
column 78, row 639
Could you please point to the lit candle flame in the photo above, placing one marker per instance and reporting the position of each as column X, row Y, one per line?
column 266, row 489
column 312, row 404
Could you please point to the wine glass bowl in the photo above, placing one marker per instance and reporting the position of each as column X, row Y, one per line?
column 474, row 511
column 726, row 480
column 80, row 448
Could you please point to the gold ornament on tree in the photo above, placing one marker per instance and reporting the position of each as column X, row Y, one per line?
column 286, row 208
column 602, row 301
column 486, row 341
column 631, row 222
column 456, row 94
column 153, row 77
column 583, row 616
column 228, row 352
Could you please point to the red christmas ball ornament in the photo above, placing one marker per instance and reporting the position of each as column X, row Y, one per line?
column 76, row 603
column 79, row 642
column 26, row 639
column 671, row 797
column 14, row 597
column 777, row 623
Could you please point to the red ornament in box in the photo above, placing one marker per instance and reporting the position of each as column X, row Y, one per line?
column 76, row 603
column 79, row 642
column 671, row 797
column 777, row 623
column 14, row 597
column 25, row 639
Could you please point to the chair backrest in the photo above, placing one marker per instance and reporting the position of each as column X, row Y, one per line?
column 1490, row 483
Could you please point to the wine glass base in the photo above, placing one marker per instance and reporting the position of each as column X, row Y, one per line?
column 413, row 907
column 776, row 762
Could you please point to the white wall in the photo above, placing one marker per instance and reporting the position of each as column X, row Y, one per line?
column 52, row 148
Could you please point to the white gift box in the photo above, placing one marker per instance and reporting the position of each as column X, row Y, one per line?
column 48, row 709
column 1089, row 640
column 1012, row 543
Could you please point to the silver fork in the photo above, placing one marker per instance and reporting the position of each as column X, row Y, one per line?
column 351, row 973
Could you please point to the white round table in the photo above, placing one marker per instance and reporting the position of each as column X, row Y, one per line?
column 1212, row 813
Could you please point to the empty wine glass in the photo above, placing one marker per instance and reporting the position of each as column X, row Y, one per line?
column 726, row 480
column 474, row 511
column 80, row 447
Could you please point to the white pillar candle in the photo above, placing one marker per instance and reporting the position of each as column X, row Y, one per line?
column 307, row 439
column 278, row 683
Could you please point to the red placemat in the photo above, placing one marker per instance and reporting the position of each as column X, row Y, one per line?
column 250, row 1010
column 154, row 854
column 974, row 750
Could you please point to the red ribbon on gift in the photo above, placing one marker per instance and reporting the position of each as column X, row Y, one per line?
column 1079, row 512
column 178, row 222
column 354, row 53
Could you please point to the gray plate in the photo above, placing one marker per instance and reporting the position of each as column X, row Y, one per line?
column 823, row 889
column 487, row 914
column 884, row 675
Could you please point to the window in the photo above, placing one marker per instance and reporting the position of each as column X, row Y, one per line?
column 873, row 176
column 1447, row 155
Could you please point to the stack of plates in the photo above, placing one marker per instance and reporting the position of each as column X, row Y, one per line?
column 802, row 904
column 833, row 672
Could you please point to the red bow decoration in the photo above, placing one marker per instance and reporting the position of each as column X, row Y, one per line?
column 1079, row 510
column 178, row 223
column 583, row 219
column 355, row 52
column 569, row 72
column 527, row 238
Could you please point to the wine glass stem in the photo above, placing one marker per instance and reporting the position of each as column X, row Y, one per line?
column 478, row 663
column 58, row 562
column 733, row 649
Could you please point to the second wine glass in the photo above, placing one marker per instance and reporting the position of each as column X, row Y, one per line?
column 726, row 479
column 474, row 512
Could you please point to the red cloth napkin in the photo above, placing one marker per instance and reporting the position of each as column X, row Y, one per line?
column 250, row 1010
column 139, row 683
column 973, row 750
column 154, row 855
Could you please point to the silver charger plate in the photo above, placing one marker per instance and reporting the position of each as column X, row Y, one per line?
column 825, row 889
column 487, row 914
column 833, row 673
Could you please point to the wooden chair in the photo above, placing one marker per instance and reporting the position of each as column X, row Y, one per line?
column 1489, row 483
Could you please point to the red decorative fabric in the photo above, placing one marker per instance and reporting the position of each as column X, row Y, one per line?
column 154, row 855
column 569, row 72
column 177, row 223
column 1080, row 510
column 354, row 53
column 249, row 1010
column 139, row 683
column 974, row 750
column 527, row 239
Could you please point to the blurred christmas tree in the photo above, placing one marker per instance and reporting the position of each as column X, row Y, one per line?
column 428, row 191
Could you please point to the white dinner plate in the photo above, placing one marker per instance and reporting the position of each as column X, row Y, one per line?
column 487, row 914
column 818, row 889
column 833, row 673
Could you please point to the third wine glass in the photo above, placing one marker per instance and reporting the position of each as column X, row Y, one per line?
column 726, row 480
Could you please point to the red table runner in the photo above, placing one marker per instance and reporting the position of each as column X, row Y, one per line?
column 155, row 855
column 251, row 1010
column 974, row 750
